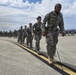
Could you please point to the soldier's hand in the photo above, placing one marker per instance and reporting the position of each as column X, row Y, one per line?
column 32, row 34
column 63, row 33
column 44, row 33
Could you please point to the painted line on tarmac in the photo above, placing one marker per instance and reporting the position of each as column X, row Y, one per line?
column 57, row 67
column 74, row 70
column 57, row 61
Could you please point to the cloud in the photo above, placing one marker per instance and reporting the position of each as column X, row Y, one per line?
column 70, row 10
column 3, row 1
column 42, row 8
column 17, row 13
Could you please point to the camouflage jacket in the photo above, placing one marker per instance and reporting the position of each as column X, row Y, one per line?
column 29, row 30
column 37, row 27
column 53, row 20
column 20, row 31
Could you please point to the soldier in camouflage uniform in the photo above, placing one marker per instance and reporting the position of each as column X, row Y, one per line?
column 29, row 35
column 10, row 34
column 37, row 30
column 24, row 34
column 53, row 20
column 20, row 33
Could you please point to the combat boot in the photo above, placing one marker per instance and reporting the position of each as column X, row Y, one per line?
column 50, row 60
column 53, row 60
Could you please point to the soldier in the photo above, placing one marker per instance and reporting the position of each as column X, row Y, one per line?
column 72, row 32
column 24, row 33
column 20, row 32
column 10, row 34
column 53, row 19
column 37, row 30
column 29, row 35
column 15, row 34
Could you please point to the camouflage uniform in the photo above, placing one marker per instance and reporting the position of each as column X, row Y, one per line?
column 29, row 36
column 38, row 33
column 10, row 34
column 20, row 33
column 24, row 35
column 15, row 34
column 53, row 20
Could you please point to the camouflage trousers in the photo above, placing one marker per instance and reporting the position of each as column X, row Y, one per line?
column 23, row 38
column 19, row 40
column 29, row 39
column 37, row 38
column 51, row 40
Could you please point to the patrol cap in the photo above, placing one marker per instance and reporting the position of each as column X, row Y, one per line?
column 38, row 17
column 58, row 5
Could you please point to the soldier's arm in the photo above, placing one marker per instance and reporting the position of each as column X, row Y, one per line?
column 34, row 28
column 45, row 20
column 61, row 26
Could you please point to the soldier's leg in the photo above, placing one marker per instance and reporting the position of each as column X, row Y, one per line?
column 27, row 40
column 55, row 38
column 50, row 47
column 31, row 38
column 19, row 38
column 50, row 44
column 24, row 38
column 37, row 42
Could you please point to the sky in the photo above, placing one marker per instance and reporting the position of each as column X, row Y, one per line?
column 16, row 13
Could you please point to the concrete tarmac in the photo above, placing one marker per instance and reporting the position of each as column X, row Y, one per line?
column 16, row 61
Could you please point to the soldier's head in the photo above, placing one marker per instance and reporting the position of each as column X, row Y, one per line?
column 21, row 27
column 58, row 7
column 39, row 18
column 25, row 26
column 30, row 25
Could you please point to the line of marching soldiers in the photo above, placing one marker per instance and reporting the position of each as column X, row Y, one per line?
column 54, row 20
column 28, row 33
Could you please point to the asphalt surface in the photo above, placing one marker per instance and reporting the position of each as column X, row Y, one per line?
column 16, row 61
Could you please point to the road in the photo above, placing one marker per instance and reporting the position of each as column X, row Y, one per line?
column 16, row 61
